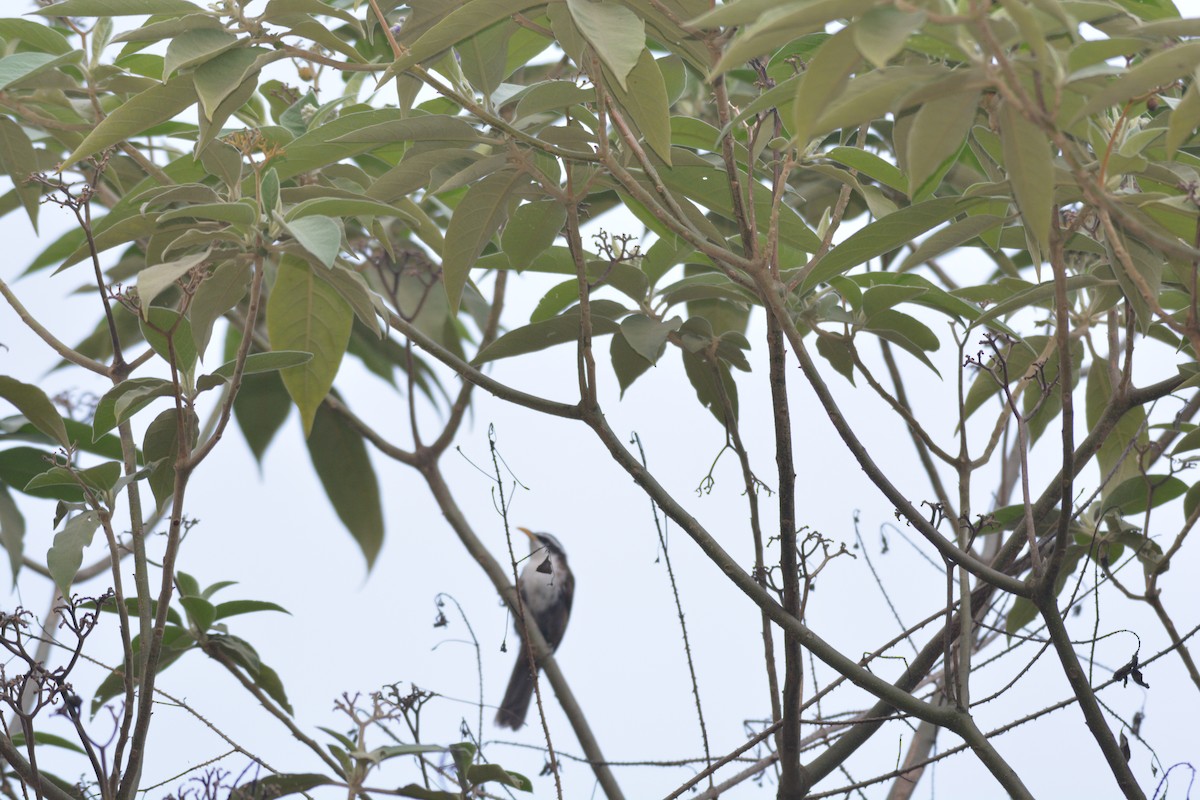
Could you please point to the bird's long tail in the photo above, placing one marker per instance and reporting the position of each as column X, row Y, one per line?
column 516, row 699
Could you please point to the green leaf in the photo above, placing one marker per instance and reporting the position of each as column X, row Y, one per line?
column 223, row 75
column 20, row 465
column 240, row 213
column 132, row 118
column 1183, row 119
column 617, row 34
column 1030, row 168
column 200, row 612
column 939, row 129
column 153, row 281
column 1143, row 492
column 307, row 314
column 35, row 407
column 170, row 335
column 425, row 128
column 275, row 786
column 223, row 289
column 261, row 408
column 341, row 461
column 160, row 447
column 19, row 66
column 255, row 363
column 319, row 235
column 558, row 330
column 648, row 336
column 117, row 8
column 882, row 236
column 476, row 218
column 36, row 35
column 905, row 331
column 713, row 384
column 644, row 99
column 233, row 608
column 1119, row 454
column 421, row 793
column 950, row 237
column 881, row 33
column 193, row 47
column 1160, row 69
column 66, row 554
column 345, row 207
column 461, row 23
column 12, row 530
column 101, row 478
column 49, row 740
column 484, row 773
column 19, row 160
column 839, row 355
column 530, row 230
column 125, row 399
column 826, row 76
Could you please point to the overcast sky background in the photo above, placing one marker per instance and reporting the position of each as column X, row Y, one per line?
column 349, row 631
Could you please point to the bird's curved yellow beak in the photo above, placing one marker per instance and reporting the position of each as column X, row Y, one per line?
column 528, row 533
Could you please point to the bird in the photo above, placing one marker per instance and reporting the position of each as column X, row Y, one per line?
column 547, row 588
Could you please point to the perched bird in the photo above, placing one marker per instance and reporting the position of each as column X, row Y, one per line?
column 547, row 588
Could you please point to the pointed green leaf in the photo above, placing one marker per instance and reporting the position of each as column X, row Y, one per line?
column 1160, row 69
column 617, row 34
column 223, row 289
column 255, row 363
column 170, row 335
column 1136, row 495
column 194, row 47
column 880, row 34
column 559, row 330
column 220, row 77
column 319, row 235
column 157, row 104
column 233, row 608
column 1030, row 168
column 1183, row 119
column 341, row 461
column 117, row 8
column 153, row 281
column 825, row 77
column 160, row 447
column 532, row 228
column 200, row 612
column 883, row 236
column 19, row 66
column 476, row 218
column 1118, row 456
column 938, row 131
column 950, row 237
column 274, row 786
column 648, row 336
column 426, row 128
column 131, row 396
column 66, row 554
column 12, row 530
column 36, row 407
column 19, row 160
column 644, row 99
column 461, row 23
column 307, row 314
column 494, row 773
column 261, row 408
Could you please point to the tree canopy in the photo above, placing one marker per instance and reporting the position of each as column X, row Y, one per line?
column 974, row 224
